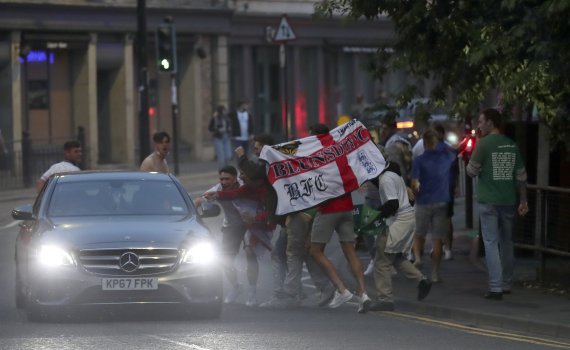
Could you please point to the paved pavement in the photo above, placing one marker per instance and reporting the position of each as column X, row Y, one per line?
column 528, row 309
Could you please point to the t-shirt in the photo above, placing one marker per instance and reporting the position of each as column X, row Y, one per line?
column 501, row 165
column 243, row 118
column 336, row 205
column 61, row 167
column 392, row 186
column 433, row 169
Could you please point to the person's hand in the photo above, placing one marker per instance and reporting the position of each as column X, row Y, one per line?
column 239, row 151
column 210, row 195
column 198, row 201
column 523, row 208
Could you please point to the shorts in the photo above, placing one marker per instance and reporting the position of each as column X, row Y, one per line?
column 450, row 207
column 325, row 224
column 434, row 214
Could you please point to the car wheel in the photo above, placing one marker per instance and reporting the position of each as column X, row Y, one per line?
column 36, row 314
column 34, row 311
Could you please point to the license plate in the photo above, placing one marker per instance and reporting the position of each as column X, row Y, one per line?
column 130, row 283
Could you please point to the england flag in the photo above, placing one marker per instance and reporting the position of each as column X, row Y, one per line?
column 313, row 169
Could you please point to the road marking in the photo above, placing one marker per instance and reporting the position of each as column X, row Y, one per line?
column 186, row 345
column 468, row 329
column 12, row 224
column 484, row 332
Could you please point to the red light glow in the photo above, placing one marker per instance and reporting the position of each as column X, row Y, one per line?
column 301, row 129
column 405, row 125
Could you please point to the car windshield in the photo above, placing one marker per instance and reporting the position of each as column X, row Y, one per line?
column 117, row 197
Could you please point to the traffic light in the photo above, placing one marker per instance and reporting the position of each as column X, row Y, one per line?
column 166, row 47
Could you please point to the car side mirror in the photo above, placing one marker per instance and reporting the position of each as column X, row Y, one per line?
column 23, row 212
column 209, row 210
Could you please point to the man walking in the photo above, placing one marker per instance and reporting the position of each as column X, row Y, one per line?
column 233, row 230
column 256, row 170
column 431, row 178
column 497, row 163
column 393, row 245
column 336, row 215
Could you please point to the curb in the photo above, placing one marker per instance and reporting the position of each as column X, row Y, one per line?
column 472, row 318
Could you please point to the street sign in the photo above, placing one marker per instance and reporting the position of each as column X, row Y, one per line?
column 284, row 31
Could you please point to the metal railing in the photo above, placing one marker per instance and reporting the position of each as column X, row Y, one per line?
column 547, row 230
column 22, row 168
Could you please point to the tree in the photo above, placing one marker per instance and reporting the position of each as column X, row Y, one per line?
column 473, row 48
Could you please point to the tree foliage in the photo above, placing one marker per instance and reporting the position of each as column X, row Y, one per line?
column 473, row 48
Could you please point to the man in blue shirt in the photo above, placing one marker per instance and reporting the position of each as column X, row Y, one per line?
column 431, row 176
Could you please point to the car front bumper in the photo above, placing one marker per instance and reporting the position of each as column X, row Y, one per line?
column 70, row 286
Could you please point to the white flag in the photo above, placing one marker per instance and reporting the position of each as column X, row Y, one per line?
column 310, row 170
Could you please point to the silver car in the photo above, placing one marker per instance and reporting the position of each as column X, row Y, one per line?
column 115, row 238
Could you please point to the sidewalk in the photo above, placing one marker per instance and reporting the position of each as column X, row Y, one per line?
column 458, row 297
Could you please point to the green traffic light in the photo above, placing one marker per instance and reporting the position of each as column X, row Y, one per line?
column 165, row 64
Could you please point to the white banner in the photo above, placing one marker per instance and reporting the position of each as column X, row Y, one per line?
column 309, row 171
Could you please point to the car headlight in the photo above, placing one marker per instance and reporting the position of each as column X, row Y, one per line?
column 200, row 253
column 54, row 256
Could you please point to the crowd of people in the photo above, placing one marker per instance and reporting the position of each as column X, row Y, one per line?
column 413, row 196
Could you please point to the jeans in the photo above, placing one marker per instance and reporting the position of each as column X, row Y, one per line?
column 279, row 262
column 222, row 147
column 497, row 230
column 298, row 229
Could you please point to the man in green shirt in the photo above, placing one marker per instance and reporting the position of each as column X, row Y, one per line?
column 497, row 162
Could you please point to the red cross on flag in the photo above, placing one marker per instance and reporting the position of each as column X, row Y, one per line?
column 313, row 169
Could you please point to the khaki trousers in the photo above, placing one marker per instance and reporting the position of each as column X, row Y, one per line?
column 383, row 273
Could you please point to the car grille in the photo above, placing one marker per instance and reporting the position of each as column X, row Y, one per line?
column 108, row 261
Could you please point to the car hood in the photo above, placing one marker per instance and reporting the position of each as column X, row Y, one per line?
column 123, row 231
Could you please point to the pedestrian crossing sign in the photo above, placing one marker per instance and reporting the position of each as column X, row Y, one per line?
column 284, row 32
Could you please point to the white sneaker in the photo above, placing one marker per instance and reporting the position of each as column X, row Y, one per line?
column 340, row 298
column 369, row 269
column 234, row 294
column 447, row 255
column 251, row 298
column 435, row 277
column 326, row 296
column 364, row 304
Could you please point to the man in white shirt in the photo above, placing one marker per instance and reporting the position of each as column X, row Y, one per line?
column 72, row 154
column 242, row 126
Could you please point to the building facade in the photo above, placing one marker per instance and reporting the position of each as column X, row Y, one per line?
column 72, row 65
